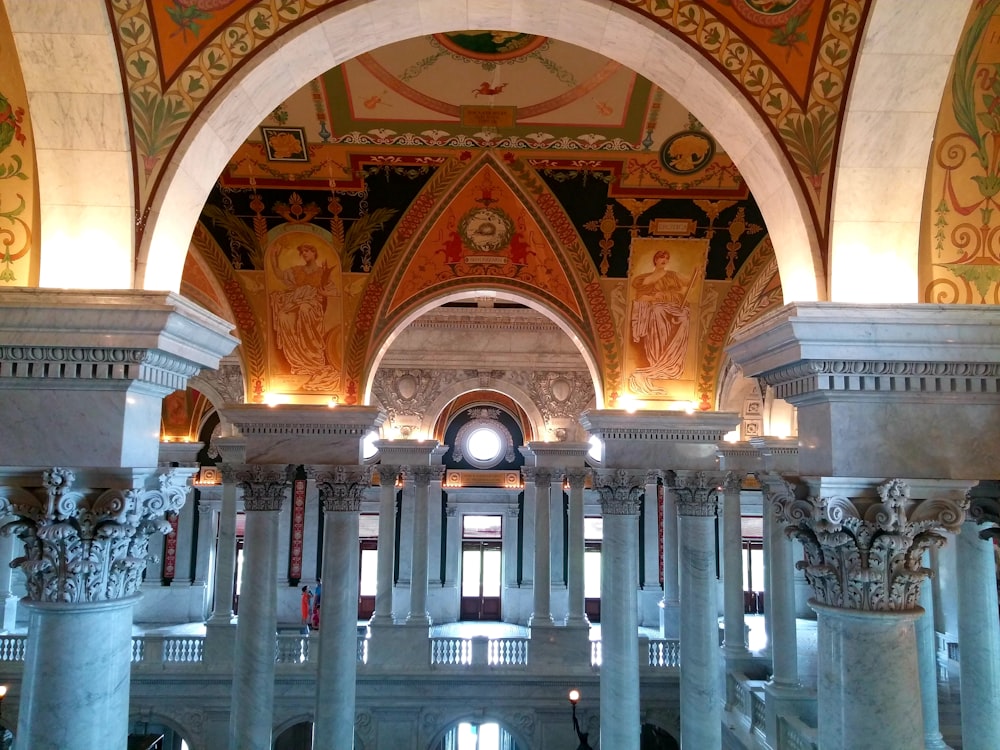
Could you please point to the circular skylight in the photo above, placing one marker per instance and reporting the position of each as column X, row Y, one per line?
column 368, row 449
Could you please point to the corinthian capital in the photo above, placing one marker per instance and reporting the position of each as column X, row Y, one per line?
column 867, row 558
column 696, row 492
column 422, row 476
column 263, row 487
column 577, row 477
column 540, row 476
column 88, row 545
column 621, row 491
column 341, row 488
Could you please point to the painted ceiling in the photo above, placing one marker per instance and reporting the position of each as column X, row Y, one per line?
column 453, row 162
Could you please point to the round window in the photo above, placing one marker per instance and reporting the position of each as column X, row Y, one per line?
column 483, row 446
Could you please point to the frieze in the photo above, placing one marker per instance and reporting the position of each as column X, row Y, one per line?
column 865, row 558
column 263, row 487
column 97, row 363
column 882, row 377
column 620, row 491
column 89, row 545
column 342, row 487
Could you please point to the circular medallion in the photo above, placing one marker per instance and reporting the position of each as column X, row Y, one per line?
column 687, row 152
column 490, row 45
column 486, row 230
column 770, row 13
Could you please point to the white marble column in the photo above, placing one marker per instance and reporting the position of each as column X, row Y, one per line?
column 927, row 664
column 978, row 630
column 81, row 592
column 421, row 477
column 701, row 708
column 340, row 491
column 509, row 556
column 620, row 493
column 386, row 543
column 732, row 568
column 233, row 451
column 778, row 494
column 205, row 555
column 538, row 481
column 8, row 602
column 264, row 490
column 670, row 613
column 866, row 595
column 577, row 612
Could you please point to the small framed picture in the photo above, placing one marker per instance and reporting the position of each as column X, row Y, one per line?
column 285, row 144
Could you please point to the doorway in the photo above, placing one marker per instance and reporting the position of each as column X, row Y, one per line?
column 482, row 567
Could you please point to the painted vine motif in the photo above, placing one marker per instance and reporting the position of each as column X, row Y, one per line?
column 961, row 251
column 17, row 170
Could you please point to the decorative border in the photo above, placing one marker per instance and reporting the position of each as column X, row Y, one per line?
column 297, row 530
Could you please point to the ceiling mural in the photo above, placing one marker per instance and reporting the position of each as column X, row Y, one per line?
column 960, row 250
column 413, row 172
column 792, row 59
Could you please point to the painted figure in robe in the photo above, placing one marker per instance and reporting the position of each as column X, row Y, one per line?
column 661, row 318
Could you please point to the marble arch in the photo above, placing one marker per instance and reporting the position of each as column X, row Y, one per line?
column 346, row 31
column 502, row 295
column 523, row 399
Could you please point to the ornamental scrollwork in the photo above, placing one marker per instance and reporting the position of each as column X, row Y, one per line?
column 696, row 492
column 867, row 558
column 341, row 488
column 621, row 491
column 87, row 546
column 264, row 487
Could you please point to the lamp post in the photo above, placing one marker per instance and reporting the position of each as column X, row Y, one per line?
column 6, row 736
column 574, row 698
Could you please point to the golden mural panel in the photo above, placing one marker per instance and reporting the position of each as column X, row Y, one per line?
column 665, row 285
column 304, row 286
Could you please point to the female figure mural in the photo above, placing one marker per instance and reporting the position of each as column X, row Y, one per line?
column 305, row 333
column 661, row 318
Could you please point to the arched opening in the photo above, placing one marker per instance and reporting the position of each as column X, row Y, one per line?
column 253, row 92
column 155, row 733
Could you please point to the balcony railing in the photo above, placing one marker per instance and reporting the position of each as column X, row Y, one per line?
column 148, row 650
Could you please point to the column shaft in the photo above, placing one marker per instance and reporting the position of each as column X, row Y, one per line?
column 868, row 688
column 418, row 568
column 253, row 677
column 338, row 637
column 542, row 593
column 8, row 602
column 225, row 557
column 85, row 645
column 619, row 633
column 978, row 639
column 577, row 614
column 671, row 588
column 781, row 610
column 386, row 544
column 701, row 714
column 732, row 569
column 927, row 664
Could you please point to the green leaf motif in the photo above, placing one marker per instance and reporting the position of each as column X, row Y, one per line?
column 981, row 276
column 141, row 65
column 195, row 84
column 156, row 121
column 963, row 88
column 261, row 22
column 810, row 139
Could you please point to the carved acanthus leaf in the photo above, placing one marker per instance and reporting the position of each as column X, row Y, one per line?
column 865, row 558
column 93, row 545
